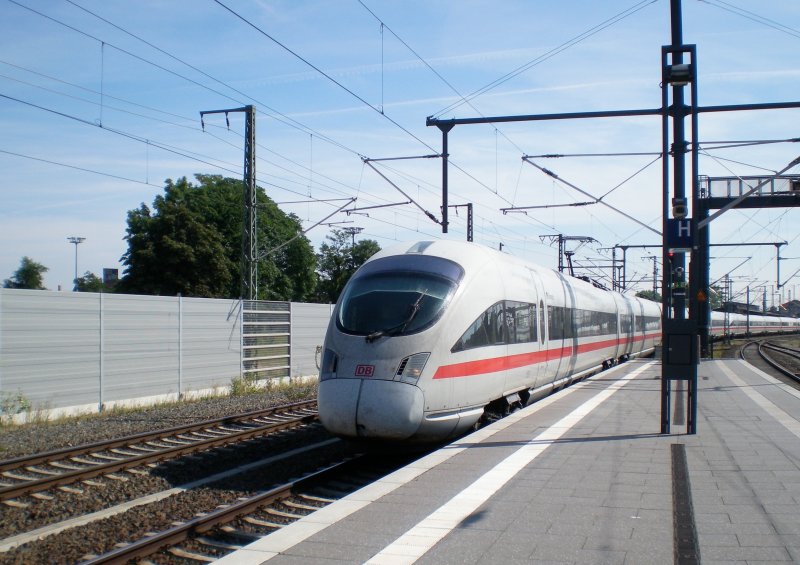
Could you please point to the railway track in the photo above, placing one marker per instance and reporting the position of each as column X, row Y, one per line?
column 780, row 358
column 225, row 513
column 212, row 535
column 37, row 473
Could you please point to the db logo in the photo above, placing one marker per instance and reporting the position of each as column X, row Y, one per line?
column 365, row 370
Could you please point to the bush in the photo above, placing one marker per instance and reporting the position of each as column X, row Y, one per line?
column 13, row 403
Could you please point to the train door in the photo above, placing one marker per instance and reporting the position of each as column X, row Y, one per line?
column 559, row 329
column 546, row 286
column 538, row 299
column 641, row 328
column 569, row 347
column 619, row 306
column 626, row 326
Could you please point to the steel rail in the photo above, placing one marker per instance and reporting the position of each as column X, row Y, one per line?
column 38, row 485
column 67, row 452
column 775, row 365
column 151, row 544
column 783, row 349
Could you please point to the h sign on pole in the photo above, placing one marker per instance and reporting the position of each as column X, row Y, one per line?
column 679, row 235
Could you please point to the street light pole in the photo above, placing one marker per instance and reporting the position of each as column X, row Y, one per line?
column 76, row 240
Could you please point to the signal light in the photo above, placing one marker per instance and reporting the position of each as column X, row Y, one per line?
column 679, row 208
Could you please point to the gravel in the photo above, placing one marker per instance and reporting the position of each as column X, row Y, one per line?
column 38, row 437
column 75, row 544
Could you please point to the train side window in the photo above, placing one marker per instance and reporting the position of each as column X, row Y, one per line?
column 521, row 322
column 569, row 323
column 590, row 323
column 560, row 323
column 555, row 322
column 488, row 329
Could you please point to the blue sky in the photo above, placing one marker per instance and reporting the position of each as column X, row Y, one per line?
column 96, row 114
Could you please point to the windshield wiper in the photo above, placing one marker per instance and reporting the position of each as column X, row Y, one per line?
column 399, row 328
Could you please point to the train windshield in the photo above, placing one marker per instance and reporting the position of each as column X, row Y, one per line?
column 391, row 302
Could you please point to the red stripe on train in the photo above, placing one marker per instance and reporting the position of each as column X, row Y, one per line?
column 495, row 364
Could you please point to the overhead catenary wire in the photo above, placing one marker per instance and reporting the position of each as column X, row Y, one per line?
column 125, row 51
column 642, row 169
column 149, row 142
column 548, row 55
column 585, row 193
column 301, row 126
column 752, row 16
column 165, row 147
column 745, row 143
column 323, row 73
column 194, row 128
column 111, row 130
column 306, row 230
column 84, row 169
column 720, row 160
column 455, row 165
column 92, row 91
column 465, row 100
column 292, row 169
column 430, row 67
column 614, row 154
column 283, row 118
column 400, row 190
column 104, row 106
column 275, row 114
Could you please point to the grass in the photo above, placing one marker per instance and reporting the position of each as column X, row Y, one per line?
column 14, row 404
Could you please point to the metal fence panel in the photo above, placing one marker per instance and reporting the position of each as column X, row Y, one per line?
column 309, row 324
column 62, row 349
column 266, row 331
column 50, row 347
column 67, row 349
column 211, row 342
column 156, row 345
column 140, row 346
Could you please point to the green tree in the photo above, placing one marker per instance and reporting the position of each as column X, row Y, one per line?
column 338, row 260
column 173, row 251
column 190, row 243
column 649, row 295
column 715, row 300
column 90, row 282
column 29, row 275
column 714, row 297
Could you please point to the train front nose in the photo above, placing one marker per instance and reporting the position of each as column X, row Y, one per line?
column 363, row 408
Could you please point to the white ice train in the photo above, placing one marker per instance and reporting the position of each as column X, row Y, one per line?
column 430, row 338
column 723, row 324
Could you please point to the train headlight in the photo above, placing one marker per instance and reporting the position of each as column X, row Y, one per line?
column 411, row 367
column 327, row 369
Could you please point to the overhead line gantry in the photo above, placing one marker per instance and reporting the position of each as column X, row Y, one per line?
column 680, row 234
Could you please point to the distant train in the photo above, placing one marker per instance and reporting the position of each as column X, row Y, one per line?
column 753, row 324
column 432, row 338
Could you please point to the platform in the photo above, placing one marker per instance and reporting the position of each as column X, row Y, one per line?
column 584, row 476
